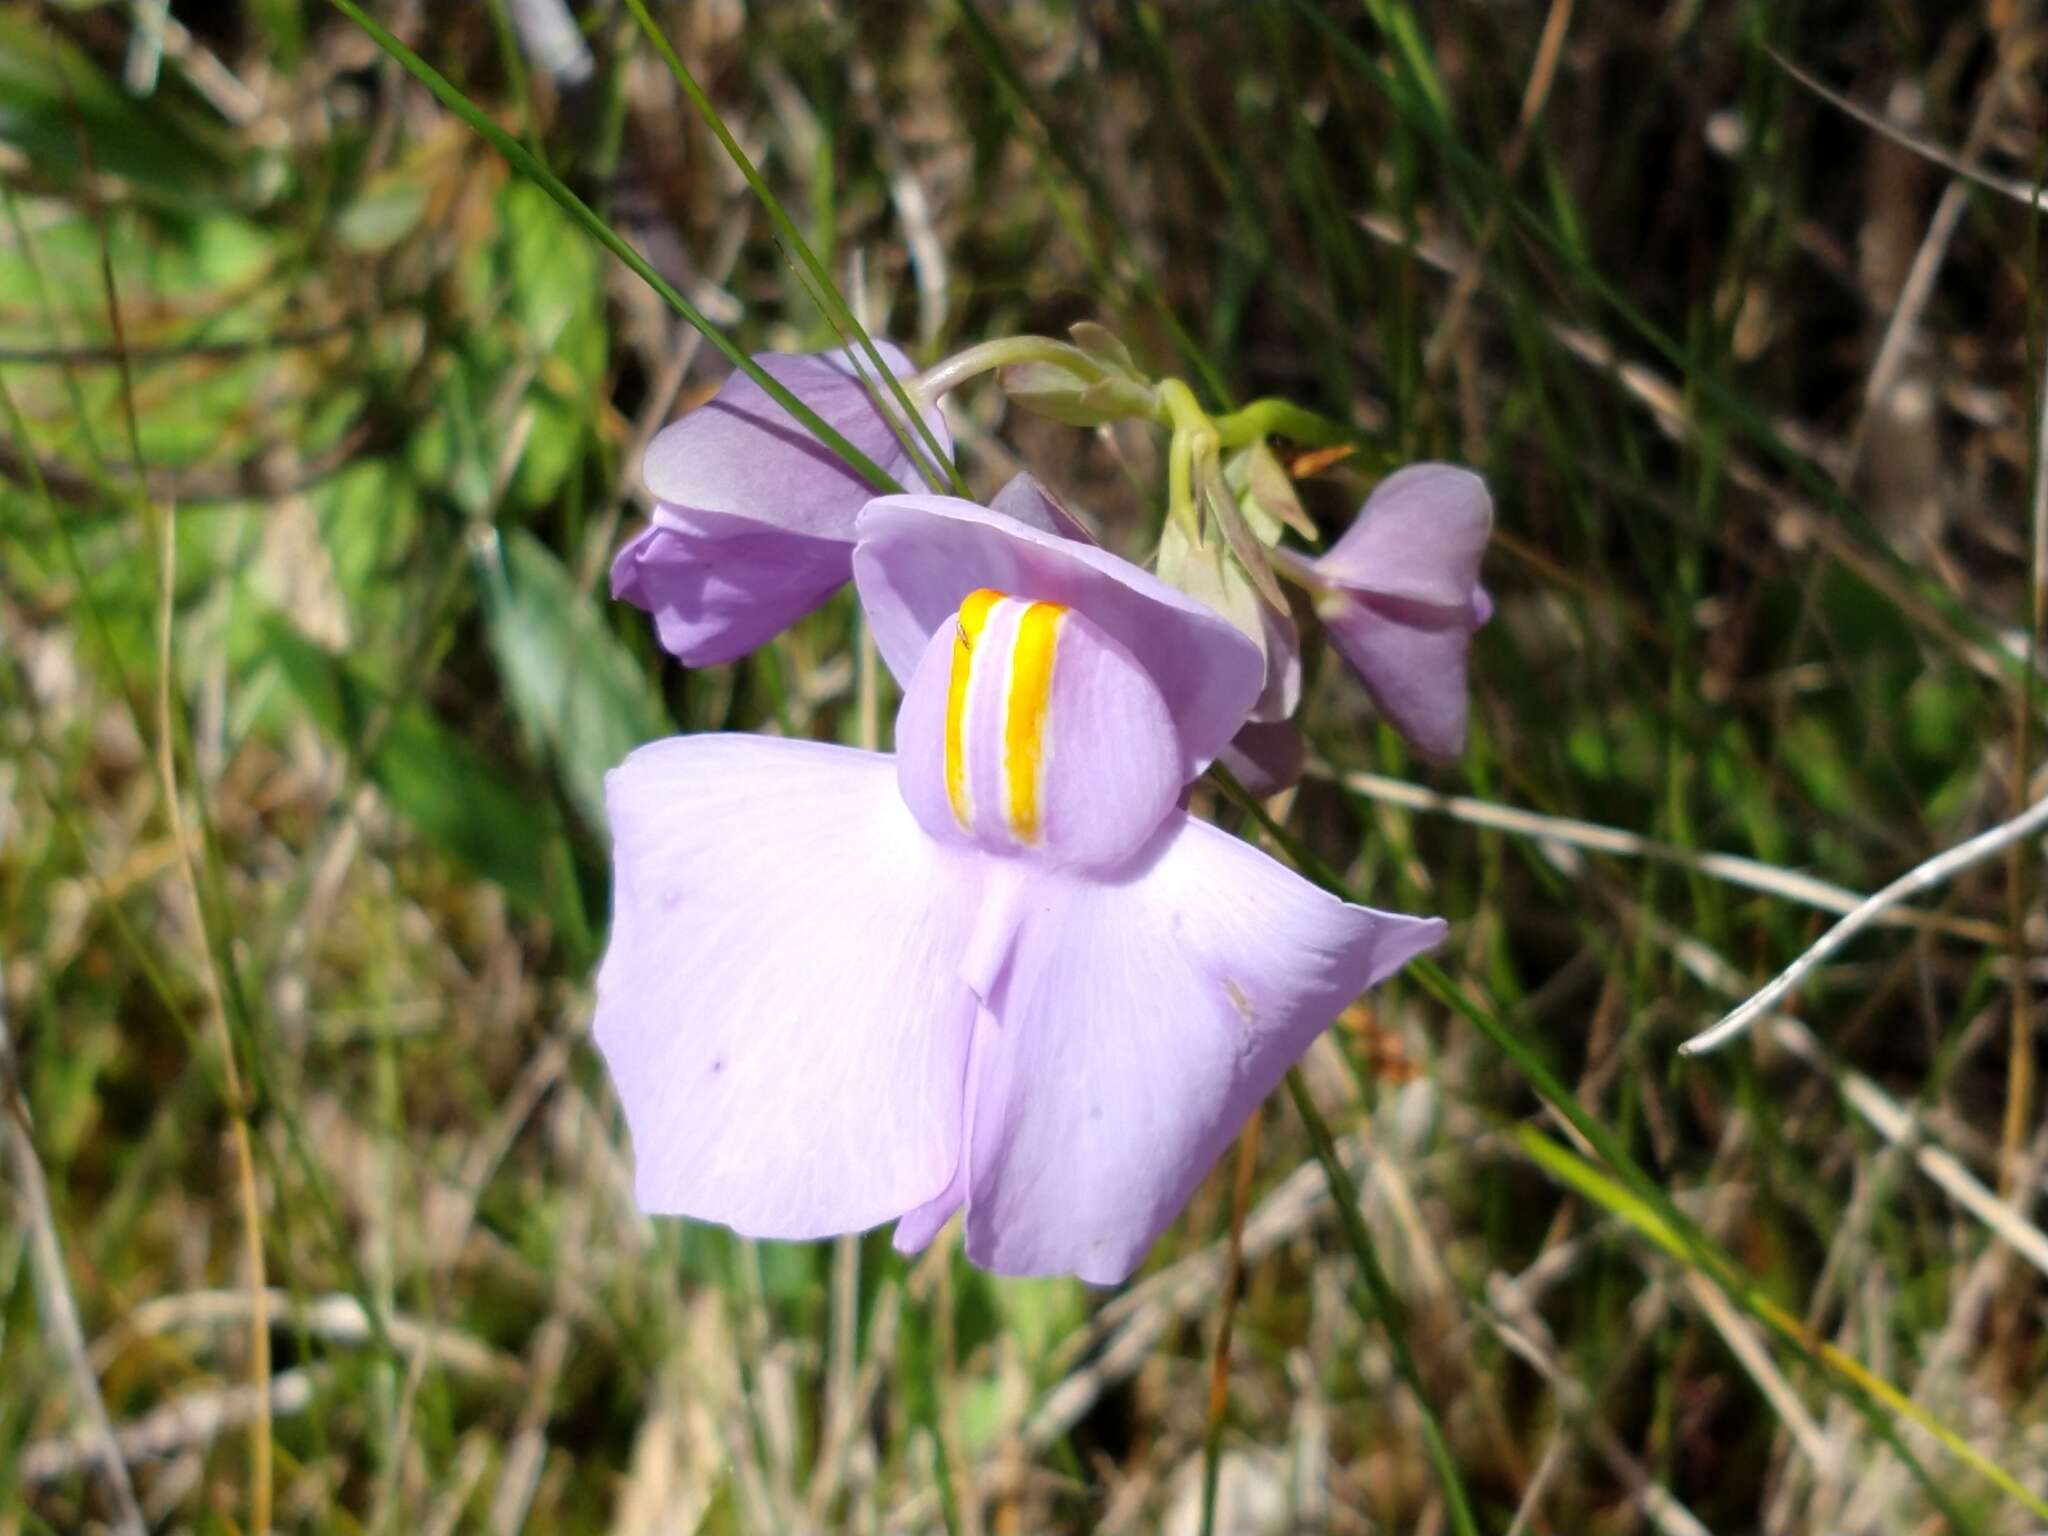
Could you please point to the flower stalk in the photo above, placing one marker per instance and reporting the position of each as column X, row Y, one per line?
column 1271, row 416
column 1003, row 352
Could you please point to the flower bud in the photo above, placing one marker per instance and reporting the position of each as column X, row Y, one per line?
column 1400, row 597
column 1065, row 395
column 753, row 522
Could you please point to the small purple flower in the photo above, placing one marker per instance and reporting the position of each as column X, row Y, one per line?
column 1001, row 970
column 753, row 522
column 1400, row 597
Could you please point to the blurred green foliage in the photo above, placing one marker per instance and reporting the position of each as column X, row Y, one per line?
column 392, row 400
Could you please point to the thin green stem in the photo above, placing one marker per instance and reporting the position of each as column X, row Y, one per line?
column 1180, row 488
column 1271, row 417
column 1179, row 409
column 523, row 161
column 915, row 433
column 987, row 356
column 1385, row 1307
column 1871, row 1392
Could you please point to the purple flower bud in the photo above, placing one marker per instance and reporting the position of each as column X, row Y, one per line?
column 1400, row 598
column 753, row 522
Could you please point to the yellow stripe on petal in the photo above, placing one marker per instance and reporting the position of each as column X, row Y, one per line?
column 1031, row 660
column 972, row 618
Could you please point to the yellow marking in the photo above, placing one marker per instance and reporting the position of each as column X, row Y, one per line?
column 1031, row 659
column 974, row 612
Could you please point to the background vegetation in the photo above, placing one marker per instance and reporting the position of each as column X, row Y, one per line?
column 319, row 425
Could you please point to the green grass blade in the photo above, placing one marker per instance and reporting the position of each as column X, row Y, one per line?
column 523, row 161
column 913, row 431
column 1671, row 1226
column 1575, row 1173
column 1385, row 1308
column 1410, row 95
column 1699, row 1251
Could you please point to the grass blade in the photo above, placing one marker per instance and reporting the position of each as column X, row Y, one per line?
column 1412, row 96
column 522, row 160
column 925, row 449
column 1671, row 1228
column 1382, row 1305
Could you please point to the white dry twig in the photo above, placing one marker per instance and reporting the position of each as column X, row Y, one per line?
column 2006, row 1218
column 1733, row 869
column 1939, row 870
column 1959, row 165
column 195, row 1419
column 97, row 1443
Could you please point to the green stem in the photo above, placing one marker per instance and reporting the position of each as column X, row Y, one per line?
column 1271, row 417
column 1385, row 1306
column 1180, row 490
column 1179, row 409
column 1193, row 435
column 987, row 356
column 915, row 433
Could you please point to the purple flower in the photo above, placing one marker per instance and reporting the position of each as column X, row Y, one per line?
column 1001, row 970
column 1400, row 597
column 753, row 521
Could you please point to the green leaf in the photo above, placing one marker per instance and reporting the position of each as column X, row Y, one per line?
column 446, row 788
column 52, row 95
column 580, row 695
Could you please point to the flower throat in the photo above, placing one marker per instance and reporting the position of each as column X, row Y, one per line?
column 997, row 701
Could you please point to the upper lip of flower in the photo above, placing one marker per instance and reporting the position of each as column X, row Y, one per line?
column 918, row 556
